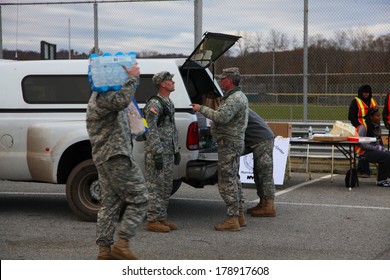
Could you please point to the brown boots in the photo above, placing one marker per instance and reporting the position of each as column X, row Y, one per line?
column 160, row 226
column 265, row 208
column 105, row 253
column 169, row 224
column 242, row 220
column 258, row 206
column 121, row 250
column 230, row 224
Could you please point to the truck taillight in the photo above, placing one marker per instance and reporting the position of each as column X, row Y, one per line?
column 193, row 136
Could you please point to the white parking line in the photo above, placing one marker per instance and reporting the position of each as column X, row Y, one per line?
column 302, row 185
column 296, row 187
column 335, row 205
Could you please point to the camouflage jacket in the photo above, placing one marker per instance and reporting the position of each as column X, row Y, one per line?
column 161, row 138
column 230, row 120
column 108, row 124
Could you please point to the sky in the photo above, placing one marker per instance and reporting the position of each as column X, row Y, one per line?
column 168, row 26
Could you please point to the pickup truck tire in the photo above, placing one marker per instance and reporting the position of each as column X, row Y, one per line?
column 176, row 186
column 83, row 192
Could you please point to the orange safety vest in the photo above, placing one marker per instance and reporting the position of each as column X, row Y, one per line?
column 388, row 107
column 363, row 108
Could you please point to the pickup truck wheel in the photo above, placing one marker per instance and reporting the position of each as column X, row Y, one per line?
column 83, row 192
column 176, row 186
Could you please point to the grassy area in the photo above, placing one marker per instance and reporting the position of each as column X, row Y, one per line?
column 295, row 112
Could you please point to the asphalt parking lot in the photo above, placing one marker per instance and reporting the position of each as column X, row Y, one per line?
column 316, row 220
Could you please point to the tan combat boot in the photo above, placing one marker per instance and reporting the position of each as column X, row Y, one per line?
column 105, row 253
column 169, row 224
column 156, row 226
column 230, row 224
column 121, row 250
column 258, row 206
column 268, row 210
column 241, row 220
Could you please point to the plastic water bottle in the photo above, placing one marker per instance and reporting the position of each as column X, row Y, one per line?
column 310, row 132
column 133, row 59
column 327, row 130
column 106, row 72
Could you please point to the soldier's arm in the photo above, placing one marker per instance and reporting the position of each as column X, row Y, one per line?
column 152, row 112
column 225, row 112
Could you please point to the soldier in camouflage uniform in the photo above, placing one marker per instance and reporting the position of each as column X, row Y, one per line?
column 259, row 140
column 161, row 152
column 121, row 180
column 228, row 126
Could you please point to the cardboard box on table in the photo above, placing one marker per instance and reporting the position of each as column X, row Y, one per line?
column 283, row 129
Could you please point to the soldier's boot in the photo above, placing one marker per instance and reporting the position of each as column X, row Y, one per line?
column 169, row 224
column 156, row 226
column 267, row 211
column 230, row 224
column 258, row 206
column 241, row 220
column 105, row 253
column 121, row 250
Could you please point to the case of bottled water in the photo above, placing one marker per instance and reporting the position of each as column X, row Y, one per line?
column 105, row 72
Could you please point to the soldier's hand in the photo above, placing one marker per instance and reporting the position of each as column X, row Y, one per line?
column 134, row 70
column 177, row 158
column 158, row 161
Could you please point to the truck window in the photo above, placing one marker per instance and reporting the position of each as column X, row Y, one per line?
column 56, row 89
column 146, row 89
column 72, row 89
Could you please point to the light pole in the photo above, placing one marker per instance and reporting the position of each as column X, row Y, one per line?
column 1, row 37
column 95, row 28
column 305, row 58
column 69, row 55
column 273, row 70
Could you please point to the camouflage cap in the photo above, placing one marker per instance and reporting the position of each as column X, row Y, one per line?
column 161, row 77
column 233, row 71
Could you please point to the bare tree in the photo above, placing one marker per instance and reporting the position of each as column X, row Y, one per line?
column 360, row 39
column 277, row 41
column 319, row 41
column 341, row 40
column 257, row 41
column 245, row 42
column 295, row 43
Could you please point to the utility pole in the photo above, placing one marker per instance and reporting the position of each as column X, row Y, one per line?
column 305, row 60
column 95, row 27
column 197, row 22
column 69, row 55
column 1, row 36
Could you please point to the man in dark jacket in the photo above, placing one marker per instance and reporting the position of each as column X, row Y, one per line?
column 259, row 139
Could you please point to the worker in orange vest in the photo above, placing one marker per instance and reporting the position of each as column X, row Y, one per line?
column 357, row 111
column 386, row 117
column 386, row 112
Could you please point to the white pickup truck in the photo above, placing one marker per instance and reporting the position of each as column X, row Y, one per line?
column 43, row 135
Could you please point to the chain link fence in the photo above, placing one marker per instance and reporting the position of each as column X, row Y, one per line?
column 347, row 48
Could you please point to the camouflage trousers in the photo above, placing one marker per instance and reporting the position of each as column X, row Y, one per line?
column 229, row 184
column 159, row 183
column 263, row 168
column 122, row 185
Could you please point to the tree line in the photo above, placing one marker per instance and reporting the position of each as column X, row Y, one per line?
column 276, row 53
